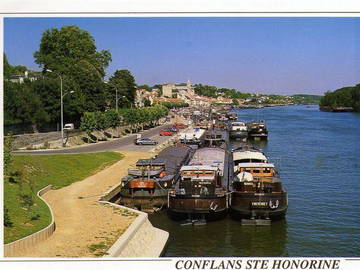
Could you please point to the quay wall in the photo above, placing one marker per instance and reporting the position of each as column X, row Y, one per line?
column 140, row 239
column 29, row 241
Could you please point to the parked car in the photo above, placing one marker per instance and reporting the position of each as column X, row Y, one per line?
column 180, row 126
column 69, row 126
column 145, row 141
column 166, row 132
column 173, row 129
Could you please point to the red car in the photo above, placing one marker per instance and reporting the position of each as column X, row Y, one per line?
column 180, row 126
column 165, row 132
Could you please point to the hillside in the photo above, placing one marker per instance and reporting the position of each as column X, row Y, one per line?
column 306, row 99
column 346, row 98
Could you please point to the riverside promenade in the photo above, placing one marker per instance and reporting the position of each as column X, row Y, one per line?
column 83, row 225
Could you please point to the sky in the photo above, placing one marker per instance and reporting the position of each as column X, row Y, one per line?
column 257, row 55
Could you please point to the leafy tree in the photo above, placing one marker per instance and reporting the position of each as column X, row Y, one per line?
column 356, row 97
column 61, row 50
column 235, row 101
column 19, row 70
column 88, row 122
column 171, row 105
column 205, row 90
column 71, row 52
column 346, row 96
column 7, row 67
column 112, row 118
column 124, row 82
column 23, row 104
column 147, row 102
column 145, row 86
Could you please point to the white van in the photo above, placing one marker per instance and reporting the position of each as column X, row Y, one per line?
column 69, row 126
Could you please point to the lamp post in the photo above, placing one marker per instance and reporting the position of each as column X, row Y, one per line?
column 116, row 95
column 61, row 107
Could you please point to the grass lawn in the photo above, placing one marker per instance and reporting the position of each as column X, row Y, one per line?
column 27, row 212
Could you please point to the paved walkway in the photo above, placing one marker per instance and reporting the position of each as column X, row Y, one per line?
column 80, row 220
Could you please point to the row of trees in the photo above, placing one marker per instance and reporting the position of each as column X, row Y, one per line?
column 10, row 70
column 68, row 55
column 213, row 91
column 91, row 121
column 171, row 105
column 346, row 96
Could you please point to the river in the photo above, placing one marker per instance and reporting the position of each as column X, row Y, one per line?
column 318, row 155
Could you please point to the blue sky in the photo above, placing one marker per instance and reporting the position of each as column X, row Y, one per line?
column 259, row 55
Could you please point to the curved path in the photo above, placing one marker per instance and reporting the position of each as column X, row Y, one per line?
column 121, row 144
column 80, row 220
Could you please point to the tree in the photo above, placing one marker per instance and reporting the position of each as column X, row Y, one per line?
column 346, row 96
column 23, row 104
column 124, row 82
column 147, row 102
column 145, row 86
column 71, row 53
column 88, row 122
column 61, row 50
column 7, row 68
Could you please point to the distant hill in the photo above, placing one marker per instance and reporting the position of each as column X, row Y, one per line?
column 343, row 99
column 306, row 99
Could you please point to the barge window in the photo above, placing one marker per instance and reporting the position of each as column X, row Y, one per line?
column 267, row 170
column 256, row 171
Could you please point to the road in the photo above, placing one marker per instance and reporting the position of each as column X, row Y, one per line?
column 121, row 144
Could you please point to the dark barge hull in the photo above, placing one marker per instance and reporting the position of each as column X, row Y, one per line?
column 241, row 206
column 256, row 136
column 185, row 207
column 149, row 198
column 143, row 201
column 238, row 134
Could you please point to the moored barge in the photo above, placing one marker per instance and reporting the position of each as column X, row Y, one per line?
column 256, row 188
column 194, row 138
column 146, row 186
column 257, row 131
column 201, row 191
column 238, row 130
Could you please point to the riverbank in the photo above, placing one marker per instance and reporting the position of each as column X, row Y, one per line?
column 84, row 226
column 26, row 212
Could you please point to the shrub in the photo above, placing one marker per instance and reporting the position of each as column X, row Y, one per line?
column 26, row 200
column 7, row 219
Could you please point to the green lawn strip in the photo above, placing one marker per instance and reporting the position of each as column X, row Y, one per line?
column 38, row 172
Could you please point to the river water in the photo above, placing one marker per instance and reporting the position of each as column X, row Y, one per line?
column 318, row 155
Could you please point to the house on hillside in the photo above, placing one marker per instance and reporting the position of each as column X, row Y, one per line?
column 20, row 78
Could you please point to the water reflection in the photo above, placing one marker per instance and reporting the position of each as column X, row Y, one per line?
column 225, row 237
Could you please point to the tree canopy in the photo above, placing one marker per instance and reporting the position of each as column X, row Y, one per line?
column 346, row 97
column 63, row 49
column 124, row 82
column 213, row 91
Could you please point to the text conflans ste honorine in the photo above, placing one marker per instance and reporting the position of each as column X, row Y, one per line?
column 249, row 264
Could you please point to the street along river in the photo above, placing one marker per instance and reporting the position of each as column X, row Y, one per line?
column 318, row 154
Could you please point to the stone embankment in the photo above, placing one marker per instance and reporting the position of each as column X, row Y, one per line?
column 52, row 140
